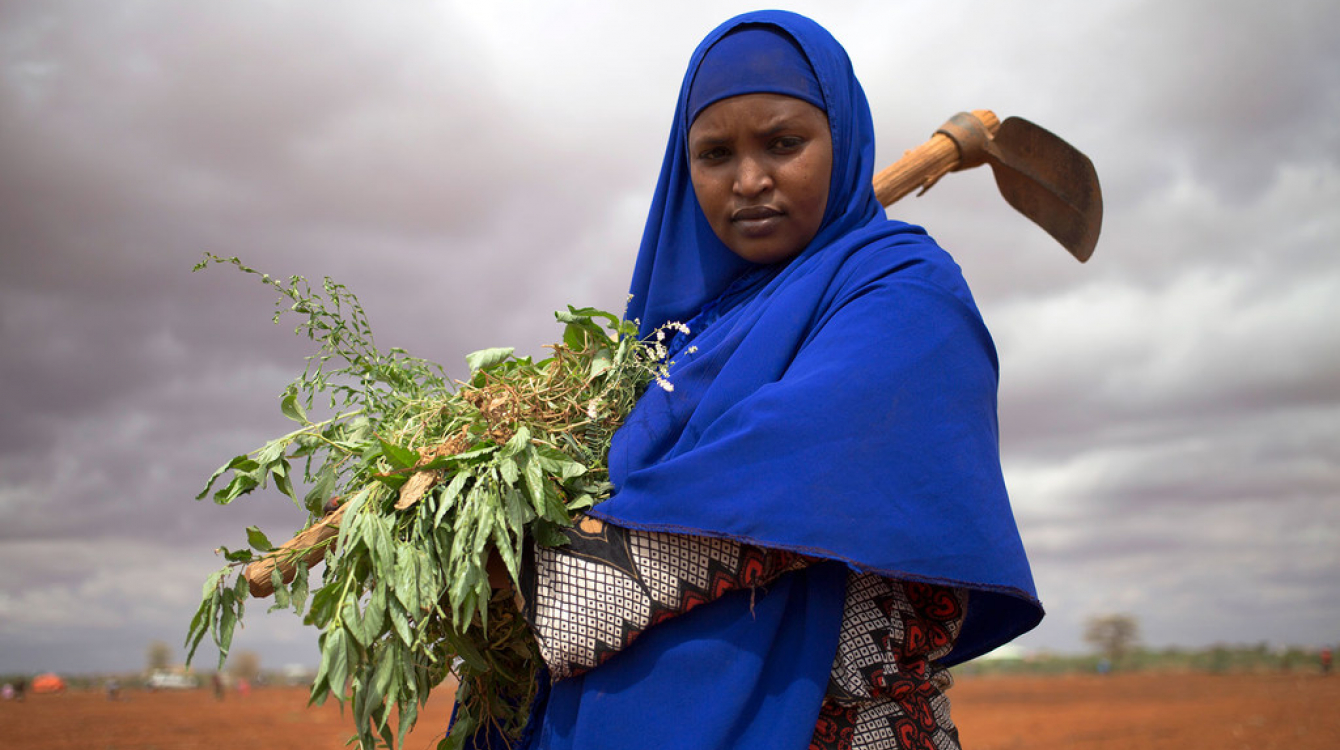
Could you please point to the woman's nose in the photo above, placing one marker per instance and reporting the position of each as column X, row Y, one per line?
column 752, row 178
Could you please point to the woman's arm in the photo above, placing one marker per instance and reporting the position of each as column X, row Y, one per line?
column 590, row 599
column 886, row 690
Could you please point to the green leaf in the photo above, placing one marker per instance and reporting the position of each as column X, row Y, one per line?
column 258, row 541
column 351, row 526
column 205, row 614
column 548, row 534
column 507, row 552
column 580, row 503
column 360, row 429
column 374, row 614
column 534, row 474
column 395, row 612
column 378, row 539
column 281, row 591
column 321, row 490
column 324, row 605
column 558, row 463
column 408, row 715
column 387, row 660
column 211, row 586
column 554, row 509
column 601, row 362
column 271, row 454
column 367, row 625
column 393, row 481
column 467, row 651
column 407, row 578
column 518, row 511
column 366, row 700
column 400, row 458
column 290, row 407
column 460, row 593
column 508, row 468
column 461, row 731
column 518, row 443
column 478, row 451
column 227, row 622
column 232, row 464
column 282, row 481
column 427, row 579
column 352, row 622
column 334, row 661
column 450, row 495
column 240, row 485
column 238, row 555
column 486, row 358
column 576, row 334
column 241, row 591
column 589, row 313
column 298, row 589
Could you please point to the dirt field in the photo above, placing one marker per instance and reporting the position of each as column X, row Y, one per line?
column 1151, row 712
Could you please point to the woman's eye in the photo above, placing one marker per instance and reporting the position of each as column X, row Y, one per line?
column 788, row 143
column 712, row 154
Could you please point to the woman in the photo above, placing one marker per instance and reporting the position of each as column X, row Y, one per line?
column 824, row 477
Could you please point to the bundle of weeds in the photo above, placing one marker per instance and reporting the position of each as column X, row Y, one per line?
column 422, row 477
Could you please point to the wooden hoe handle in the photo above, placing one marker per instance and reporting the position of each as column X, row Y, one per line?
column 306, row 546
column 959, row 144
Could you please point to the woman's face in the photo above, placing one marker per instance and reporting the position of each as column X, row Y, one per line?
column 760, row 165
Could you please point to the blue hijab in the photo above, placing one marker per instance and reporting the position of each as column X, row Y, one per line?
column 841, row 405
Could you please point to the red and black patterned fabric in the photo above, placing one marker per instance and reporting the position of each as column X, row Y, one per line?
column 886, row 689
column 588, row 600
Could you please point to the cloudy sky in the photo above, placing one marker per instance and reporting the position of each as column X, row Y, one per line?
column 1170, row 410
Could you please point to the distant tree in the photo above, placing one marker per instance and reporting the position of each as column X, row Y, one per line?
column 159, row 656
column 245, row 665
column 1114, row 636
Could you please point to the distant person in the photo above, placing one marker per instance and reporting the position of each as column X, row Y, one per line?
column 19, row 688
column 217, row 682
column 7, row 692
column 1325, row 661
column 243, row 687
column 113, row 687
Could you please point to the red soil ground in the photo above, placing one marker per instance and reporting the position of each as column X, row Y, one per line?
column 1148, row 711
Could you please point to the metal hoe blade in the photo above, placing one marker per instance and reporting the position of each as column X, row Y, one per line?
column 1050, row 182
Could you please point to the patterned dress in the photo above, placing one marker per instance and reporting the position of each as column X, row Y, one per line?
column 590, row 599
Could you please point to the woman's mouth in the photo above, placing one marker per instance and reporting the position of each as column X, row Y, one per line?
column 756, row 220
